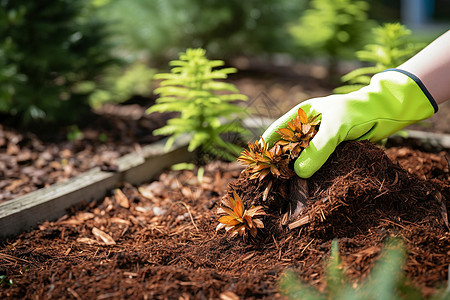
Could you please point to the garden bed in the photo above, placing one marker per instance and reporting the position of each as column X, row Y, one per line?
column 158, row 240
column 42, row 156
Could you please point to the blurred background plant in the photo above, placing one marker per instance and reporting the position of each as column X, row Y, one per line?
column 66, row 56
column 392, row 45
column 386, row 281
column 48, row 47
column 120, row 83
column 332, row 30
column 161, row 29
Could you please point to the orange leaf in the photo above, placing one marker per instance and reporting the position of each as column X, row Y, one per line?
column 285, row 132
column 302, row 115
column 226, row 201
column 315, row 120
column 228, row 220
column 230, row 212
column 291, row 125
column 239, row 207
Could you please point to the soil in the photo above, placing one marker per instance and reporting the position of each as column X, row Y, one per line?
column 158, row 240
column 35, row 158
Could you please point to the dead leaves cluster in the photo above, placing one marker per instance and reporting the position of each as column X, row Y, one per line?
column 264, row 162
column 261, row 160
column 237, row 220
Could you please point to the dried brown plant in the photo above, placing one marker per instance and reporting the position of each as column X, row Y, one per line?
column 237, row 220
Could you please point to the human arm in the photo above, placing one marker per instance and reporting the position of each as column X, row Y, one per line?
column 394, row 99
column 432, row 67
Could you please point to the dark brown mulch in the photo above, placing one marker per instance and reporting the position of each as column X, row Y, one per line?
column 33, row 159
column 159, row 241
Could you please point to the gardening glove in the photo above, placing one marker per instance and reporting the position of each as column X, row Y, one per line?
column 393, row 99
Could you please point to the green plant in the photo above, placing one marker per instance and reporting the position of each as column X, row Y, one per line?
column 74, row 133
column 163, row 28
column 332, row 29
column 386, row 281
column 392, row 45
column 192, row 89
column 120, row 83
column 46, row 48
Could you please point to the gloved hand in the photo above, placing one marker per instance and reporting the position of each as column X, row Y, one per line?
column 393, row 99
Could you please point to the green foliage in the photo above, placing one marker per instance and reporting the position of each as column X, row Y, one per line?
column 385, row 282
column 46, row 48
column 192, row 89
column 332, row 29
column 119, row 84
column 163, row 28
column 391, row 47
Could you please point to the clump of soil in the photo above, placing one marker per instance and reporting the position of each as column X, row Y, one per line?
column 355, row 188
column 360, row 185
column 159, row 242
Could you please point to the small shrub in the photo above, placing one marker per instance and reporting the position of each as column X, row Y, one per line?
column 386, row 281
column 192, row 89
column 391, row 47
column 332, row 29
column 46, row 48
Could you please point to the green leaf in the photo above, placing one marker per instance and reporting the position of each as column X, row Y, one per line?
column 335, row 276
column 359, row 72
column 295, row 289
column 197, row 140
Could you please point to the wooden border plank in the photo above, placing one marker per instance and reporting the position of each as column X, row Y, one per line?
column 26, row 212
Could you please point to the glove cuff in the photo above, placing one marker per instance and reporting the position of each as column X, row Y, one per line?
column 420, row 85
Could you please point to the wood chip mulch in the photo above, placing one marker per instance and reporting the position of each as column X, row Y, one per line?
column 158, row 240
column 37, row 158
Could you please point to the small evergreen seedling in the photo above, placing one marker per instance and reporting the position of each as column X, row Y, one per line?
column 204, row 103
column 392, row 46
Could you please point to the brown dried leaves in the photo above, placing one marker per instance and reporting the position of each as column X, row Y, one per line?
column 237, row 220
column 262, row 161
column 273, row 163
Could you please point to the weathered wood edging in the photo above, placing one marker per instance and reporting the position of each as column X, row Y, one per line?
column 26, row 212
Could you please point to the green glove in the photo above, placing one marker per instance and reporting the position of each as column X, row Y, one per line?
column 393, row 99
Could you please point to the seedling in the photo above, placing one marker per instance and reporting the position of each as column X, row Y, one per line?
column 203, row 102
column 237, row 220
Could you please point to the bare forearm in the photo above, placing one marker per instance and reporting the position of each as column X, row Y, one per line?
column 432, row 67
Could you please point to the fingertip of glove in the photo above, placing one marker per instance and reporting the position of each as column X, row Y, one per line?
column 304, row 166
